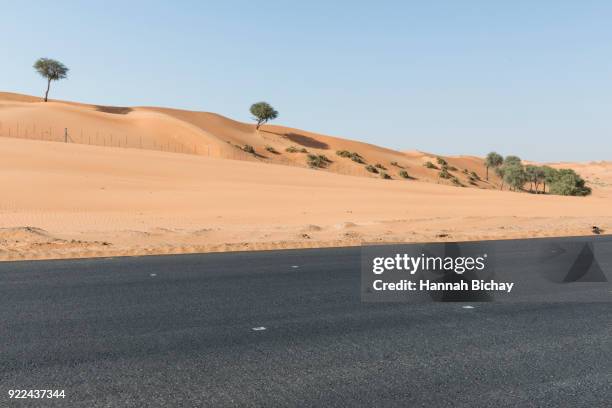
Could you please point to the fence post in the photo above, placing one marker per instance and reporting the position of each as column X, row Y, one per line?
column 65, row 135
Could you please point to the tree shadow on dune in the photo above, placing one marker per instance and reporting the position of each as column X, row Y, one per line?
column 303, row 140
column 115, row 110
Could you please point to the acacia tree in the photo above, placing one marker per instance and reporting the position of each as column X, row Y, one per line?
column 508, row 171
column 515, row 176
column 500, row 173
column 535, row 175
column 50, row 69
column 550, row 175
column 494, row 160
column 263, row 112
column 510, row 160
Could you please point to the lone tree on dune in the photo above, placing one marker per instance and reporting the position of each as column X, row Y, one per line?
column 50, row 69
column 494, row 160
column 263, row 112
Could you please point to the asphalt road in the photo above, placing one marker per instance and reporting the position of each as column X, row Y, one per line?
column 180, row 331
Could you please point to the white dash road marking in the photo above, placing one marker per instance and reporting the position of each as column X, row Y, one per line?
column 260, row 328
column 295, row 266
column 467, row 307
column 153, row 275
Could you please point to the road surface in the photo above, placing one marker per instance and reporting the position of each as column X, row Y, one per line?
column 284, row 328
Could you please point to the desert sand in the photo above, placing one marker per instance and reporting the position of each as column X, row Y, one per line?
column 136, row 181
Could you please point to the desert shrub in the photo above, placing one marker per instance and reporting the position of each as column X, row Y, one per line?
column 568, row 182
column 465, row 171
column 371, row 168
column 441, row 161
column 456, row 181
column 357, row 158
column 317, row 160
column 444, row 173
column 384, row 175
column 394, row 163
column 474, row 175
column 354, row 156
column 380, row 166
column 293, row 149
column 271, row 149
column 430, row 165
column 404, row 174
column 248, row 148
column 451, row 168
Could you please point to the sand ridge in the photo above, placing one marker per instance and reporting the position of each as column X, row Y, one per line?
column 211, row 135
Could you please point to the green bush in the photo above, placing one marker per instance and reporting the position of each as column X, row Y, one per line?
column 456, row 182
column 380, row 166
column 474, row 175
column 444, row 173
column 271, row 149
column 357, row 158
column 441, row 161
column 293, row 149
column 248, row 148
column 371, row 168
column 568, row 182
column 430, row 165
column 317, row 160
column 385, row 175
column 404, row 174
column 354, row 156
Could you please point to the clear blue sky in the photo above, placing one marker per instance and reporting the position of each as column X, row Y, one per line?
column 532, row 78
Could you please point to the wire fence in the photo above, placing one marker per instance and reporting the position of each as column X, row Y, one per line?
column 96, row 137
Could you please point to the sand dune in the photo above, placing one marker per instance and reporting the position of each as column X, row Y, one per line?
column 76, row 200
column 66, row 200
column 210, row 135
